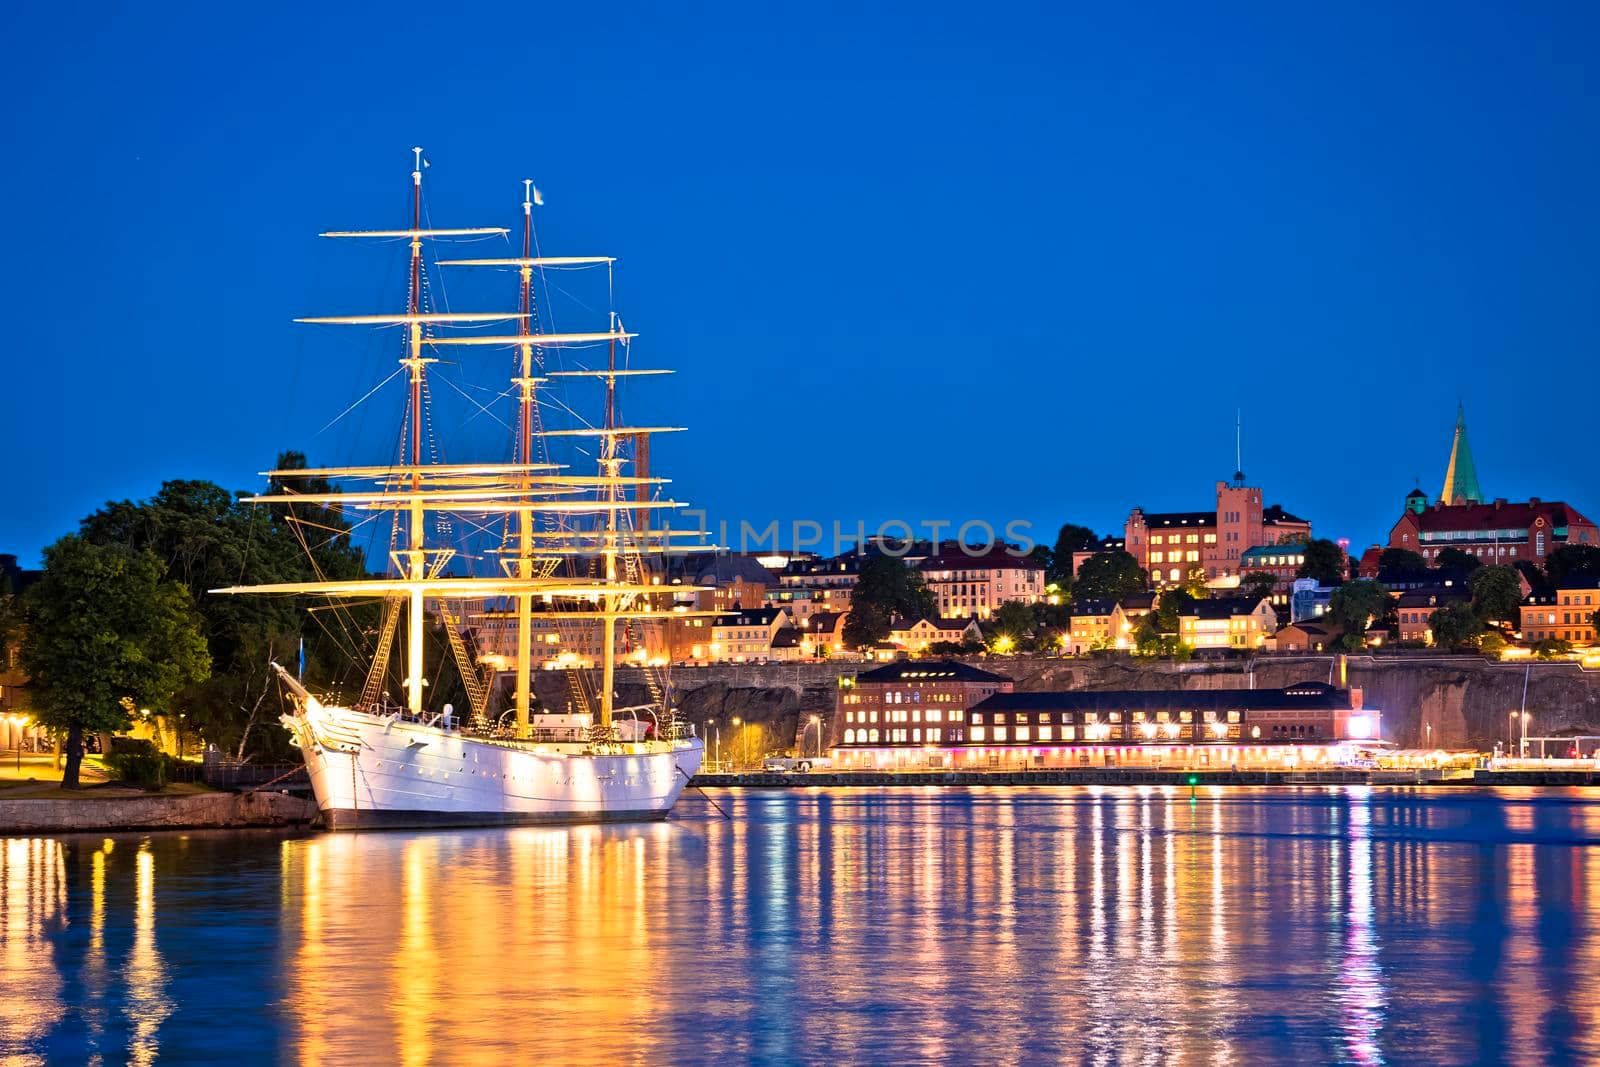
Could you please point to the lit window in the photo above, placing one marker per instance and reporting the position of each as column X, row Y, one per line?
column 849, row 737
column 999, row 733
column 1022, row 733
column 977, row 731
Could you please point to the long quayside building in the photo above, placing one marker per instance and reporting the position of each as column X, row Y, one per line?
column 953, row 715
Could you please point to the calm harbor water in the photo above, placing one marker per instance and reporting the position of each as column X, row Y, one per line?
column 840, row 926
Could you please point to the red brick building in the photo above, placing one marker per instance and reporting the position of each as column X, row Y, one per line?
column 1171, row 544
column 1497, row 532
column 905, row 706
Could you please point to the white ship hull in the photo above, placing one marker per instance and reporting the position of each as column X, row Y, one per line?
column 372, row 771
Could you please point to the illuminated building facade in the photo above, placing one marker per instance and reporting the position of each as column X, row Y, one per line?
column 1565, row 615
column 1172, row 544
column 1308, row 724
column 1237, row 623
column 1414, row 610
column 1497, row 533
column 909, row 704
column 917, row 635
column 967, row 582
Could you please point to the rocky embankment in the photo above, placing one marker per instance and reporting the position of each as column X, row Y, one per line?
column 1465, row 700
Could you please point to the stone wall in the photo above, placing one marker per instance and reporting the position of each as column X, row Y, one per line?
column 1465, row 699
column 155, row 812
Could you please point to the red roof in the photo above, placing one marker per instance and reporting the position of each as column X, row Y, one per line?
column 998, row 557
column 1486, row 517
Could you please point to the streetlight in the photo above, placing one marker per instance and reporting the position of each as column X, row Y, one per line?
column 17, row 723
column 816, row 720
column 737, row 736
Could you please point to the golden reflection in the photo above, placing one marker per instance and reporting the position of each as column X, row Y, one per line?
column 32, row 902
column 145, row 973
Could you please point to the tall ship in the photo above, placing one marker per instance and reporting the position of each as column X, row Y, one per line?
column 518, row 541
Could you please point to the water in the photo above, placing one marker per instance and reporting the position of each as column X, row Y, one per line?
column 832, row 926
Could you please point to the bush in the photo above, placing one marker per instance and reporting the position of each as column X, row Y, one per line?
column 148, row 770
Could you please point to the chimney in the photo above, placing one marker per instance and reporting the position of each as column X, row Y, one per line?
column 1499, row 502
column 1534, row 501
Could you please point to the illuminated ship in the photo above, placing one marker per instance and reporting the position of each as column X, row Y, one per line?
column 573, row 550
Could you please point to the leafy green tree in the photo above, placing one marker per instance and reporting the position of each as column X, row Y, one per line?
column 887, row 588
column 105, row 633
column 1170, row 605
column 1572, row 565
column 1108, row 576
column 1194, row 583
column 1402, row 563
column 1594, row 621
column 1015, row 620
column 206, row 538
column 1257, row 585
column 1355, row 604
column 1455, row 626
column 1552, row 648
column 1496, row 594
column 1071, row 538
column 1324, row 561
column 1492, row 643
column 865, row 626
column 1454, row 559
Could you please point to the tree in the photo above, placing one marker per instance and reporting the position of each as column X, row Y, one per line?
column 1071, row 538
column 1552, row 647
column 865, row 626
column 205, row 538
column 105, row 633
column 1401, row 563
column 887, row 588
column 1491, row 643
column 1148, row 640
column 1355, row 604
column 1572, row 565
column 1170, row 605
column 1455, row 626
column 1257, row 585
column 1194, row 583
column 1108, row 576
column 1594, row 621
column 1015, row 620
column 1324, row 562
column 1496, row 594
column 1454, row 559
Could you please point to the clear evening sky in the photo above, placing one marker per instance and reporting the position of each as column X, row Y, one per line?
column 923, row 262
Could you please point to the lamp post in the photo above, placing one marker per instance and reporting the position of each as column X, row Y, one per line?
column 738, row 735
column 816, row 720
column 17, row 724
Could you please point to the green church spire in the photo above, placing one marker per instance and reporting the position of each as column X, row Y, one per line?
column 1461, row 477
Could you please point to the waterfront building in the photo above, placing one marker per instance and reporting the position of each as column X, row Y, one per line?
column 1282, row 561
column 734, row 581
column 1497, row 532
column 917, row 635
column 1169, row 545
column 822, row 634
column 1565, row 615
column 1239, row 623
column 1415, row 607
column 909, row 704
column 1092, row 625
column 1308, row 635
column 808, row 587
column 1307, row 724
column 967, row 582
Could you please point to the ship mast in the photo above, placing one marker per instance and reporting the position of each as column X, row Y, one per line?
column 609, row 468
column 527, row 383
column 416, row 556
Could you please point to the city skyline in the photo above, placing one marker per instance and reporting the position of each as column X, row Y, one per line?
column 1061, row 261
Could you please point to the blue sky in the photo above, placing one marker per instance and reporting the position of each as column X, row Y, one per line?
column 920, row 262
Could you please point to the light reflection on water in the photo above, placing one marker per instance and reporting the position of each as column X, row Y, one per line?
column 1007, row 926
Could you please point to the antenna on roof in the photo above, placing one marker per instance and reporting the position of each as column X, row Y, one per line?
column 1238, row 447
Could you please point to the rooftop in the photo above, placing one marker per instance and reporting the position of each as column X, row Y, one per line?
column 1222, row 607
column 948, row 670
column 1309, row 695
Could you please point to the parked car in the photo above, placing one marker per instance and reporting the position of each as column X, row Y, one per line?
column 796, row 764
